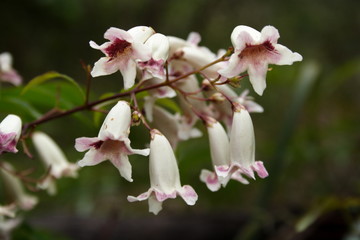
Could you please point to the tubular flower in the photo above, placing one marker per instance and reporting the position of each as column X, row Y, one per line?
column 10, row 131
column 164, row 176
column 254, row 51
column 121, row 52
column 242, row 149
column 53, row 158
column 220, row 156
column 7, row 73
column 23, row 200
column 112, row 143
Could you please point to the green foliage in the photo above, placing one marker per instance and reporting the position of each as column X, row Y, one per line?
column 51, row 76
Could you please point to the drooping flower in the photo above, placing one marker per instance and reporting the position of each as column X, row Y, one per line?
column 53, row 158
column 7, row 73
column 164, row 176
column 112, row 143
column 154, row 67
column 254, row 51
column 13, row 185
column 242, row 149
column 10, row 131
column 220, row 155
column 121, row 52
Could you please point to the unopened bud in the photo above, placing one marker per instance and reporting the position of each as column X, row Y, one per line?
column 136, row 118
column 206, row 85
column 235, row 81
column 229, row 51
column 217, row 97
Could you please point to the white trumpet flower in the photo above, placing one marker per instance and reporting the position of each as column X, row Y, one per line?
column 164, row 176
column 112, row 143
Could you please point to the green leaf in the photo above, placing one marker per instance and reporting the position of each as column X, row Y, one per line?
column 19, row 106
column 48, row 76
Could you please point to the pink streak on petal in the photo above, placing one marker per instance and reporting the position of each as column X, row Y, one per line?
column 115, row 33
column 188, row 194
column 8, row 142
column 161, row 196
column 84, row 143
column 141, row 197
column 258, row 167
column 222, row 171
column 211, row 180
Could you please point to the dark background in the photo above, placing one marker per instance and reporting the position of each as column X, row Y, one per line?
column 308, row 136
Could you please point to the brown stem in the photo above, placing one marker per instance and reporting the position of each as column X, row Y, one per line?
column 137, row 89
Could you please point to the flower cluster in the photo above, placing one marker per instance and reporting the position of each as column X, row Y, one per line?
column 201, row 84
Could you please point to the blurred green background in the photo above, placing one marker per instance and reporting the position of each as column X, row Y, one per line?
column 308, row 136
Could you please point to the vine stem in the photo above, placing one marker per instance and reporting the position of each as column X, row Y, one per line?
column 89, row 105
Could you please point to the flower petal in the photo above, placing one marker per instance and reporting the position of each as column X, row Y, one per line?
column 91, row 158
column 104, row 66
column 259, row 168
column 155, row 206
column 237, row 175
column 193, row 38
column 141, row 33
column 269, row 33
column 234, row 67
column 115, row 33
column 210, row 179
column 141, row 197
column 84, row 143
column 244, row 35
column 128, row 71
column 257, row 76
column 162, row 196
column 188, row 194
column 143, row 152
column 121, row 162
column 287, row 57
